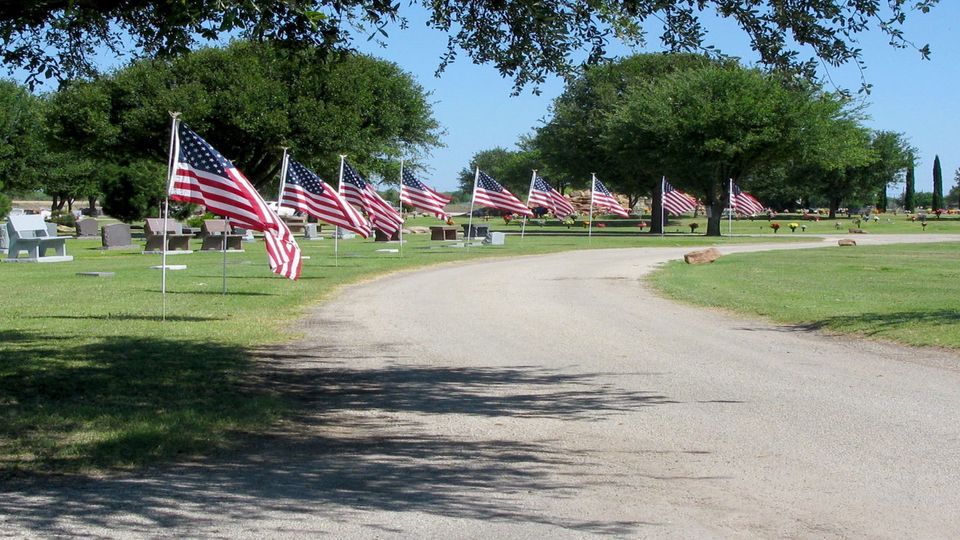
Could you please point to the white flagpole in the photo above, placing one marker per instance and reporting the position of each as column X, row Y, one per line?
column 593, row 187
column 730, row 210
column 400, row 207
column 523, row 226
column 166, row 212
column 336, row 231
column 663, row 211
column 466, row 239
column 283, row 178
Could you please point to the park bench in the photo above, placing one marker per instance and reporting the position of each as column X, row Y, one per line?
column 30, row 233
column 153, row 232
column 212, row 233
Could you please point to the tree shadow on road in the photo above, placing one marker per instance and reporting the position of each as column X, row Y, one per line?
column 359, row 442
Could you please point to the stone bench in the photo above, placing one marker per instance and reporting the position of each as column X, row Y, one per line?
column 30, row 233
column 212, row 233
column 153, row 232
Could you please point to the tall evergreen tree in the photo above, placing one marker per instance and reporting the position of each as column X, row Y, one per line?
column 937, row 184
column 908, row 198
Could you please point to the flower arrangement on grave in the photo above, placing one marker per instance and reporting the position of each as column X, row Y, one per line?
column 803, row 228
column 793, row 226
column 641, row 224
column 693, row 227
column 924, row 225
column 507, row 218
column 775, row 226
column 938, row 211
column 601, row 225
column 568, row 222
column 449, row 221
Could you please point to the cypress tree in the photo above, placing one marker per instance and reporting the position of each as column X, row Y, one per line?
column 937, row 184
column 908, row 192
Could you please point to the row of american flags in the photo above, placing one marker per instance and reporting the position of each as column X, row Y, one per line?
column 201, row 175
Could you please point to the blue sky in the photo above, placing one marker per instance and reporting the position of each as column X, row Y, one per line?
column 916, row 97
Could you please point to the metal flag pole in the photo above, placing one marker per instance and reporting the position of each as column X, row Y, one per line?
column 166, row 212
column 400, row 207
column 663, row 211
column 593, row 187
column 466, row 237
column 283, row 178
column 730, row 209
column 523, row 226
column 336, row 232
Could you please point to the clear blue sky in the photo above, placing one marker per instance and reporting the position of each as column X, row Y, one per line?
column 916, row 97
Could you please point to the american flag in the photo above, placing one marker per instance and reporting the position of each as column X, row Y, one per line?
column 308, row 193
column 544, row 195
column 203, row 176
column 358, row 191
column 604, row 200
column 675, row 201
column 490, row 193
column 743, row 202
column 416, row 194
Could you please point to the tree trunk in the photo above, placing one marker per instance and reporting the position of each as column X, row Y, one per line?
column 834, row 206
column 92, row 202
column 656, row 209
column 70, row 204
column 715, row 217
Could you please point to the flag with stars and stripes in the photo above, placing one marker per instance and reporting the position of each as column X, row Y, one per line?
column 358, row 191
column 418, row 195
column 490, row 193
column 203, row 176
column 604, row 200
column 542, row 194
column 303, row 190
column 743, row 202
column 675, row 201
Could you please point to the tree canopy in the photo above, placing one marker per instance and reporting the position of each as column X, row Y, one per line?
column 249, row 100
column 526, row 40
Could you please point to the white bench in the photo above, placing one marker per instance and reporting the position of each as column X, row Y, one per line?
column 30, row 233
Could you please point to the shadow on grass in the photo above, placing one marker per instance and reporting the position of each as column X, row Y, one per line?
column 871, row 324
column 356, row 442
column 119, row 401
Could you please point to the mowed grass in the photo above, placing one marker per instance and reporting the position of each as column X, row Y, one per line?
column 903, row 293
column 92, row 379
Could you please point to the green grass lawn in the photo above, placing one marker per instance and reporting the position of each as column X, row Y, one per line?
column 92, row 379
column 903, row 293
column 887, row 224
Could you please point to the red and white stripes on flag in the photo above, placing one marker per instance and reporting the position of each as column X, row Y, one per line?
column 543, row 195
column 743, row 202
column 303, row 190
column 418, row 195
column 203, row 176
column 358, row 191
column 488, row 192
column 675, row 201
column 604, row 200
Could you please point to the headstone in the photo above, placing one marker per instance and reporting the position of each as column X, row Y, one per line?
column 4, row 241
column 170, row 267
column 345, row 235
column 96, row 274
column 116, row 236
column 247, row 234
column 846, row 242
column 702, row 256
column 310, row 232
column 856, row 231
column 478, row 231
column 495, row 238
column 88, row 227
column 52, row 229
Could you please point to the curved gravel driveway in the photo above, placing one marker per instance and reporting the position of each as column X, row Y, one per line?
column 558, row 397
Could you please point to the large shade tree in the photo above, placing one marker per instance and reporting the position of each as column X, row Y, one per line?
column 526, row 40
column 249, row 100
column 21, row 141
column 703, row 127
column 569, row 142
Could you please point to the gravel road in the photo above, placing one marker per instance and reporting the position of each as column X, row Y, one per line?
column 555, row 396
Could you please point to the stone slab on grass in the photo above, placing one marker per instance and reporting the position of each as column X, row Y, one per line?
column 702, row 256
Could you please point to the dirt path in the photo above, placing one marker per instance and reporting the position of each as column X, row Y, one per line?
column 557, row 397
